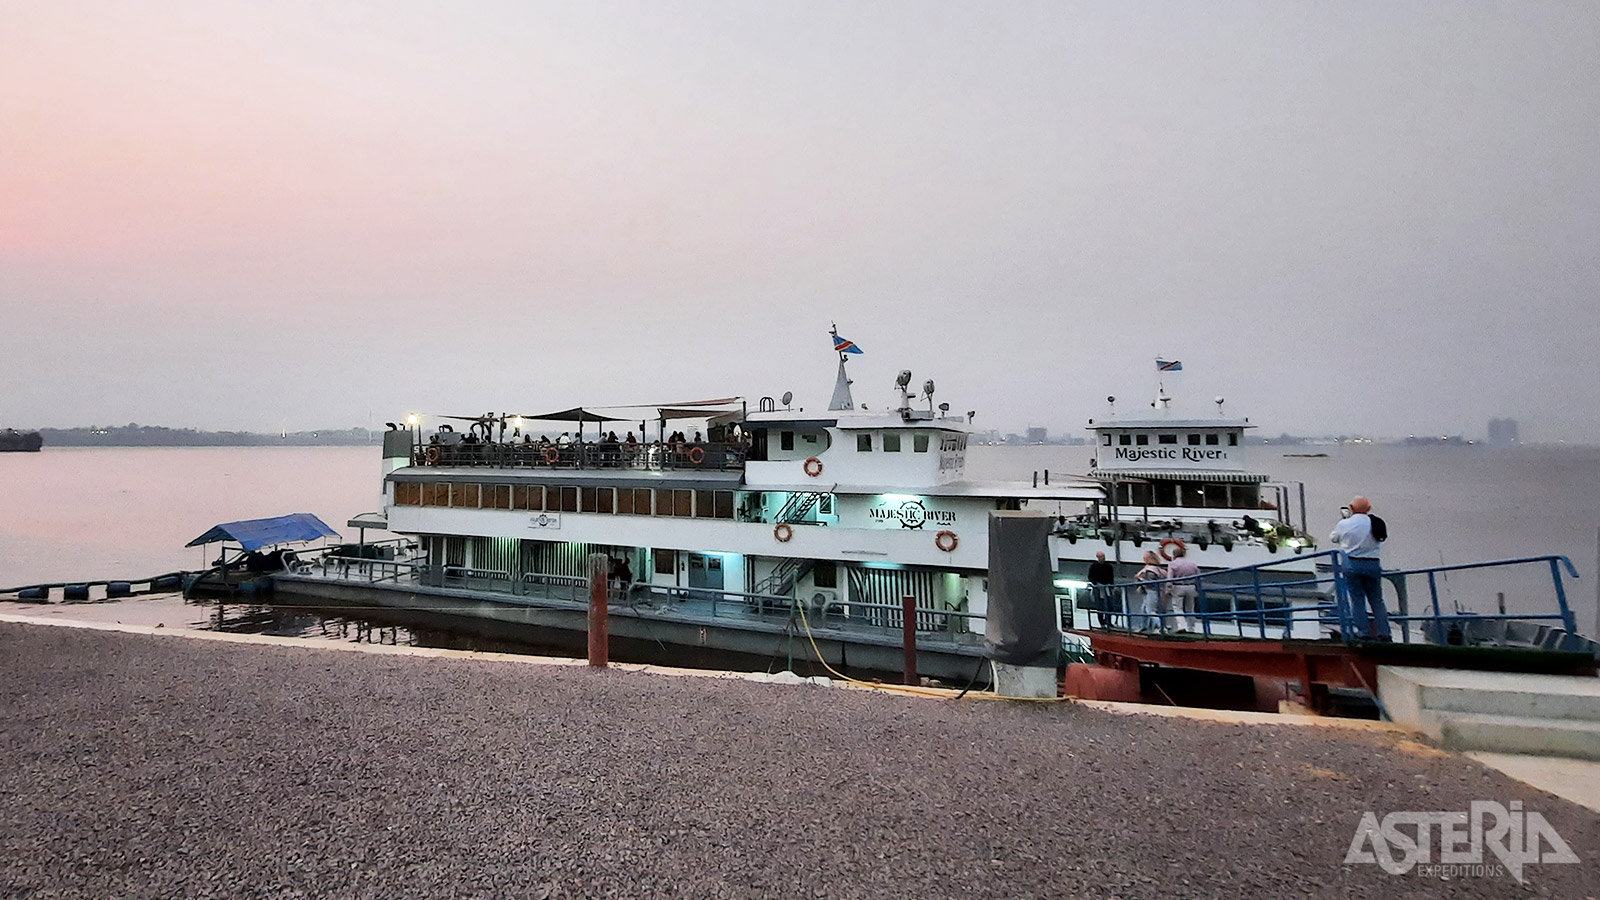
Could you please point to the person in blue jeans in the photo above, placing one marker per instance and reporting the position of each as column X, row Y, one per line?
column 1361, row 535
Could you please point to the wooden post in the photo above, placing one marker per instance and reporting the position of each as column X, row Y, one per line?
column 908, row 631
column 599, row 638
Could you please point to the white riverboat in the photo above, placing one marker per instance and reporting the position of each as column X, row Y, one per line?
column 1174, row 477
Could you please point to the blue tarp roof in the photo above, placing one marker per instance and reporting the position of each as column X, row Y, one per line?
column 253, row 534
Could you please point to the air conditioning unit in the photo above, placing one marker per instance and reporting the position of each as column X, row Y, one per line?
column 826, row 602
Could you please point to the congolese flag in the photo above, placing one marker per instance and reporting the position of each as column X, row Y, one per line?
column 1169, row 365
column 845, row 346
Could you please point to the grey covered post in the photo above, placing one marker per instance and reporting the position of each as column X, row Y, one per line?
column 1022, row 636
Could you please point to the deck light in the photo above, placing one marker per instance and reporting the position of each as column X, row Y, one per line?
column 413, row 419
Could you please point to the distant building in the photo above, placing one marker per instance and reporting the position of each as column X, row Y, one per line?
column 1503, row 432
column 1038, row 435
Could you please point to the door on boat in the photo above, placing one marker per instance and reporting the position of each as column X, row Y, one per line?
column 705, row 571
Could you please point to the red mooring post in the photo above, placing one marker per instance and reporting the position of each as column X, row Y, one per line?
column 599, row 637
column 908, row 630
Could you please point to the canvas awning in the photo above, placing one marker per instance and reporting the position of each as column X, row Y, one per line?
column 576, row 414
column 253, row 534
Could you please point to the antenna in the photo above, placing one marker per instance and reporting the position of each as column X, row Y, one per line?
column 1218, row 401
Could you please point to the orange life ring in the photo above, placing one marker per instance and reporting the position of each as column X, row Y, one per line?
column 697, row 455
column 946, row 541
column 551, row 455
column 1164, row 554
column 782, row 532
column 432, row 455
column 813, row 467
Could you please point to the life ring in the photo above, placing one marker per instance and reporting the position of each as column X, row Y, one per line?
column 946, row 541
column 551, row 455
column 813, row 467
column 1167, row 556
column 432, row 456
column 783, row 532
column 697, row 455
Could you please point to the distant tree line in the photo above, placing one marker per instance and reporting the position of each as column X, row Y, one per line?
column 136, row 435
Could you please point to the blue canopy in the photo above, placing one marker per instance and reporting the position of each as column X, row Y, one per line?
column 253, row 534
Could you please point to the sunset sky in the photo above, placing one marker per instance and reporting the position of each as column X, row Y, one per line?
column 1363, row 217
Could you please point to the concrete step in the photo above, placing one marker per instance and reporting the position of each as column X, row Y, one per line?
column 1409, row 693
column 1519, row 734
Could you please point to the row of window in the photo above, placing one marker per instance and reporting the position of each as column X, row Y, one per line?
column 1190, row 494
column 1194, row 439
column 567, row 498
column 892, row 442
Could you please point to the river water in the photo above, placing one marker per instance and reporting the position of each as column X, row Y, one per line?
column 98, row 513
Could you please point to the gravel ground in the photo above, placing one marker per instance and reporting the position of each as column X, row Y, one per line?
column 141, row 766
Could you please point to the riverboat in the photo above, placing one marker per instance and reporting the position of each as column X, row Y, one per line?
column 774, row 531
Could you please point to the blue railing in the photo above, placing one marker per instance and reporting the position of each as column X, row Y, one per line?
column 1263, row 601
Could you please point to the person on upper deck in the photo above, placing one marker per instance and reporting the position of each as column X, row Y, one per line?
column 1182, row 594
column 631, row 439
column 1361, row 535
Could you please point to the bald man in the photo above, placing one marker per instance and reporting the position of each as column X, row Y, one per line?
column 1360, row 536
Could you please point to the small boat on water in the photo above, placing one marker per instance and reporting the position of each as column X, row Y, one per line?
column 13, row 441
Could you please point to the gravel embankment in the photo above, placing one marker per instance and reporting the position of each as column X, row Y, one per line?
column 139, row 766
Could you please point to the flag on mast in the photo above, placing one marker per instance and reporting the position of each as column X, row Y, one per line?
column 1169, row 365
column 844, row 346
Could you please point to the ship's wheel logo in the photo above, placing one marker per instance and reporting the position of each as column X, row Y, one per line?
column 912, row 514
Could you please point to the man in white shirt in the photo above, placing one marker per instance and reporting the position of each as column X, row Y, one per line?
column 1355, row 536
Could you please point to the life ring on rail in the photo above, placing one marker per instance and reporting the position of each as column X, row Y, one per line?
column 946, row 541
column 551, row 455
column 813, row 467
column 432, row 455
column 783, row 532
column 1172, row 541
column 697, row 455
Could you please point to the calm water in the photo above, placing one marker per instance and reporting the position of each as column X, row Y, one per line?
column 92, row 513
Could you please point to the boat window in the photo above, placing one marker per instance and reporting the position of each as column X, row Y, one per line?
column 1167, row 438
column 641, row 501
column 1211, row 440
column 465, row 495
column 1124, row 439
column 683, row 504
column 919, row 443
column 666, row 562
column 863, row 443
column 891, row 443
column 825, row 505
column 1233, row 439
column 537, row 498
column 724, row 505
column 624, row 501
column 1105, row 440
column 809, row 438
column 1194, row 495
column 786, row 440
column 703, row 507
column 408, row 493
column 825, row 574
column 497, row 496
column 1141, row 439
column 1194, row 439
column 1165, row 493
column 607, row 500
column 587, row 498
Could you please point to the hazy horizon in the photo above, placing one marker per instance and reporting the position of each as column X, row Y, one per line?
column 1354, row 218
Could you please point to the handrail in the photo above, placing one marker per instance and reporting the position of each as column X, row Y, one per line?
column 1572, row 571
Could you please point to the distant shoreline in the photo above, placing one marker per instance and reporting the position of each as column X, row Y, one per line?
column 157, row 436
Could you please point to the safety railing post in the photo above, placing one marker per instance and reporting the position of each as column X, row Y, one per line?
column 908, row 636
column 1567, row 618
column 599, row 637
column 1433, row 592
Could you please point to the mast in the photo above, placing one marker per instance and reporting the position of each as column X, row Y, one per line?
column 842, row 398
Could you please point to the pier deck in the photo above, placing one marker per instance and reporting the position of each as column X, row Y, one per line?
column 162, row 766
